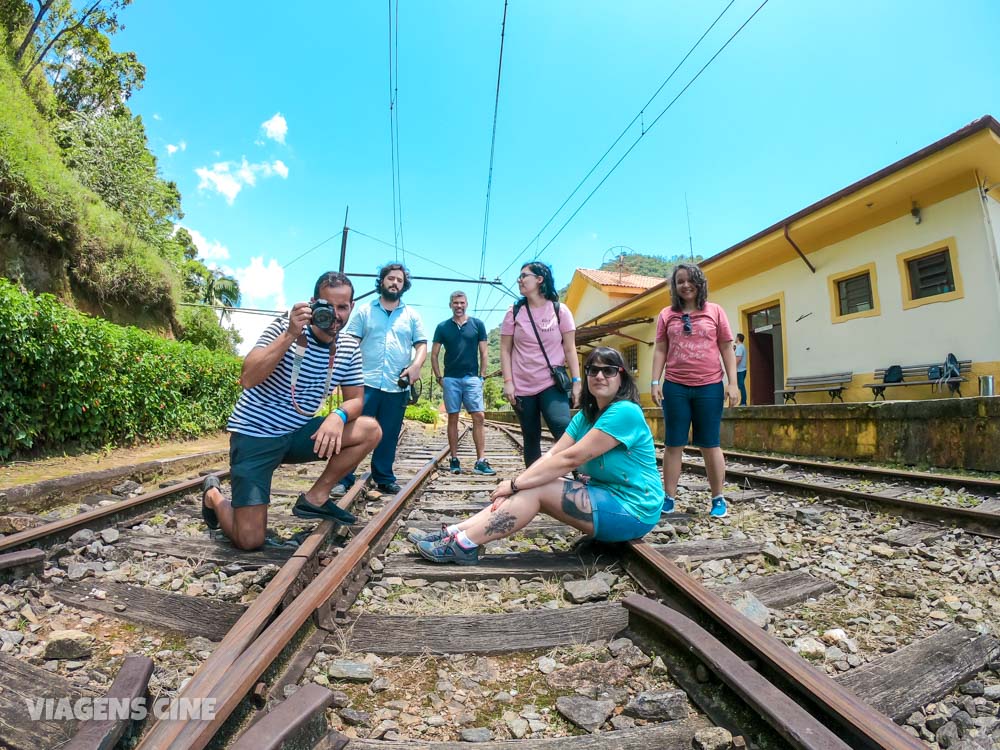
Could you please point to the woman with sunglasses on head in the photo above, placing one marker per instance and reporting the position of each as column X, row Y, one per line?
column 694, row 341
column 608, row 440
column 537, row 336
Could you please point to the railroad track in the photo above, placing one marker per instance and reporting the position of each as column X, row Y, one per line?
column 368, row 645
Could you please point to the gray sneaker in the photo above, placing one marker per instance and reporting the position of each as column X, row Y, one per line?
column 448, row 550
column 338, row 491
column 416, row 535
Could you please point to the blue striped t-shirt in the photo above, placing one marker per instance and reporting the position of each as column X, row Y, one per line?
column 266, row 409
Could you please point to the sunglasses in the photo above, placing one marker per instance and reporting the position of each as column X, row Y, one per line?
column 686, row 319
column 526, row 275
column 608, row 371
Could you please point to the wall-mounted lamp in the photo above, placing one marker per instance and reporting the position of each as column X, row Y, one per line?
column 915, row 212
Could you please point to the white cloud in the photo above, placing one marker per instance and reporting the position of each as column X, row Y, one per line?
column 171, row 149
column 156, row 116
column 275, row 128
column 218, row 179
column 262, row 284
column 208, row 250
column 183, row 145
column 228, row 178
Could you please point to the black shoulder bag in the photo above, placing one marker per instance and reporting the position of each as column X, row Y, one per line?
column 559, row 373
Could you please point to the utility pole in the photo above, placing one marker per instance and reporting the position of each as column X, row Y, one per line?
column 343, row 241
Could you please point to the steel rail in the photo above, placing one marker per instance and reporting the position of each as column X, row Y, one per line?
column 860, row 724
column 977, row 521
column 981, row 522
column 802, row 730
column 99, row 516
column 252, row 621
column 241, row 676
column 951, row 480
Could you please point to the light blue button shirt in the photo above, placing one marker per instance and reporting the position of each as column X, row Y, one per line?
column 387, row 341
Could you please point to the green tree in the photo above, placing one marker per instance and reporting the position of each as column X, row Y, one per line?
column 110, row 155
column 198, row 325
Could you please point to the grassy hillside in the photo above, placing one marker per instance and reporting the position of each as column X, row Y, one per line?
column 58, row 236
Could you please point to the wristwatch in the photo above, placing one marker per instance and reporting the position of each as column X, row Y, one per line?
column 654, row 382
column 513, row 487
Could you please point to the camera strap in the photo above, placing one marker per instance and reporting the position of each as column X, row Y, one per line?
column 301, row 345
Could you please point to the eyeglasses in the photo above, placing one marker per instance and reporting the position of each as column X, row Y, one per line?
column 608, row 371
column 523, row 276
column 686, row 319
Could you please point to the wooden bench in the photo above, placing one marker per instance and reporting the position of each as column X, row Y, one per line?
column 833, row 384
column 917, row 375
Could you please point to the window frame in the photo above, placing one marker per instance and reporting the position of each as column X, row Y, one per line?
column 903, row 260
column 625, row 357
column 833, row 285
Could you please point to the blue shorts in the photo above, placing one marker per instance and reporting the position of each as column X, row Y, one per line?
column 467, row 391
column 612, row 523
column 697, row 408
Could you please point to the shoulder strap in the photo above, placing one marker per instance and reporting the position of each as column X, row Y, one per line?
column 537, row 336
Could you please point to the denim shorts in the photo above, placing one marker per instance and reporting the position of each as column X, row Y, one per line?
column 467, row 391
column 697, row 408
column 252, row 460
column 612, row 523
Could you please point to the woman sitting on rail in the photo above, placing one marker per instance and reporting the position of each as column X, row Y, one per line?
column 608, row 440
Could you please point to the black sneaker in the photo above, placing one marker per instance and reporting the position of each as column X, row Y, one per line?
column 455, row 466
column 328, row 511
column 416, row 535
column 389, row 488
column 208, row 515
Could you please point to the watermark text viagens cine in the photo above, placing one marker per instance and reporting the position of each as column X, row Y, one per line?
column 118, row 709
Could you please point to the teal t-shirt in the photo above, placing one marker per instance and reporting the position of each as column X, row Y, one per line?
column 628, row 471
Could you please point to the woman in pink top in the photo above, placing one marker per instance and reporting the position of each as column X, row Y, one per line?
column 694, row 341
column 528, row 382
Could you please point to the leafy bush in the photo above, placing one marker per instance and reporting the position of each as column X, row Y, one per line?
column 422, row 411
column 67, row 378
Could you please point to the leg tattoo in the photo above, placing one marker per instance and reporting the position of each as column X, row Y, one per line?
column 502, row 522
column 576, row 501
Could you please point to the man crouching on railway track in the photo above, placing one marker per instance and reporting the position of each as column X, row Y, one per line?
column 297, row 362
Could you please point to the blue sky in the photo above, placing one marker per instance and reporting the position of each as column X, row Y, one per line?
column 273, row 118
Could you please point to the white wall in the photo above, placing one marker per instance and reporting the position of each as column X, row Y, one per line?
column 965, row 326
column 592, row 302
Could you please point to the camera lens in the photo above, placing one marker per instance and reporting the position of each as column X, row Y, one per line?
column 322, row 315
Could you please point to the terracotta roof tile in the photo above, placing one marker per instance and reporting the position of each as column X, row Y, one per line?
column 614, row 278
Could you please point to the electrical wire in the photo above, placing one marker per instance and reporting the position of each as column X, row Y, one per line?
column 314, row 247
column 493, row 142
column 638, row 117
column 650, row 127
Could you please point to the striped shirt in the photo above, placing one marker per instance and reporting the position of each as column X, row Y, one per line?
column 266, row 409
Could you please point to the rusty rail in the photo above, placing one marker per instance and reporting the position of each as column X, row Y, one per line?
column 858, row 723
column 99, row 516
column 227, row 689
column 785, row 716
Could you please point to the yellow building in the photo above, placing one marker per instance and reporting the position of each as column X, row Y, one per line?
column 902, row 267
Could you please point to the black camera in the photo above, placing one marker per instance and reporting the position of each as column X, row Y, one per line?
column 404, row 380
column 322, row 314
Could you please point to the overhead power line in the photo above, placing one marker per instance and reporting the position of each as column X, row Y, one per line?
column 651, row 125
column 397, row 188
column 493, row 142
column 637, row 118
column 646, row 129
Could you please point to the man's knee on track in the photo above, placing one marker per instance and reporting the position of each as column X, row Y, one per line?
column 370, row 429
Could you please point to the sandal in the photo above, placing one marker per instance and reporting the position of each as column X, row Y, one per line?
column 207, row 514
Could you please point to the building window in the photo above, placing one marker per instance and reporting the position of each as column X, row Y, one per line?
column 854, row 294
column 631, row 356
column 930, row 274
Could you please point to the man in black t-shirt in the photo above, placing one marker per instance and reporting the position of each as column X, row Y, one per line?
column 465, row 365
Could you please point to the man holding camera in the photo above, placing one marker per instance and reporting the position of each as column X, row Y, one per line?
column 465, row 364
column 393, row 349
column 297, row 362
